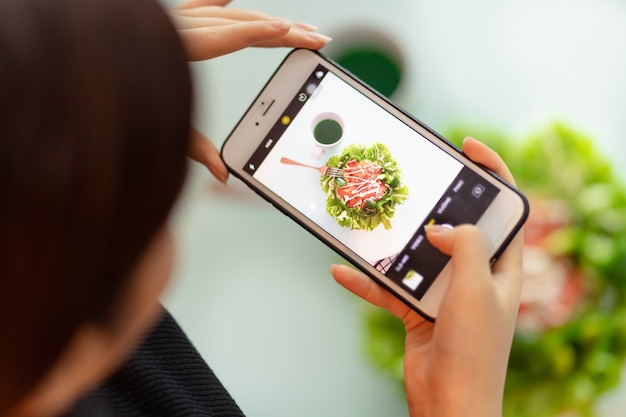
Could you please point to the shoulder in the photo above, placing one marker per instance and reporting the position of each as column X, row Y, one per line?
column 164, row 376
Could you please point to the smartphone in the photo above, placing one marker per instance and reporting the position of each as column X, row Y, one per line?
column 365, row 177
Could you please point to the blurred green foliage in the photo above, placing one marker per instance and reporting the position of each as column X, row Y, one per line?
column 568, row 367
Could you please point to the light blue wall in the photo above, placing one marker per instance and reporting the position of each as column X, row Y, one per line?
column 252, row 289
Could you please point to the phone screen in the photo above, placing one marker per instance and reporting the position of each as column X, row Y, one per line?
column 368, row 179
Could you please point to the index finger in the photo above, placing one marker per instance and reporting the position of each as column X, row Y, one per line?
column 213, row 41
column 210, row 42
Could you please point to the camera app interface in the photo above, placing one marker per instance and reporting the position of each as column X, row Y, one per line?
column 368, row 179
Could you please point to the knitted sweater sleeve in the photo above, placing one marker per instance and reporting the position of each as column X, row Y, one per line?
column 165, row 376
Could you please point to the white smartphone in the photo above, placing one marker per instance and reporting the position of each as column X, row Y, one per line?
column 365, row 177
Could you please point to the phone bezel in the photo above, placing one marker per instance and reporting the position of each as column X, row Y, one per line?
column 499, row 224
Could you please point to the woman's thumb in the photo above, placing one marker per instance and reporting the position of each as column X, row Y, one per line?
column 465, row 245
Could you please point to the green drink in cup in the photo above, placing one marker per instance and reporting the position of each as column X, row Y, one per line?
column 327, row 132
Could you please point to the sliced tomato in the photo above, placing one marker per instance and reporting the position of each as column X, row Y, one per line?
column 362, row 183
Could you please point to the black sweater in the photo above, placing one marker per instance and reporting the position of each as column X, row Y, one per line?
column 165, row 376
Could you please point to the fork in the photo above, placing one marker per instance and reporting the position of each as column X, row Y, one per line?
column 324, row 170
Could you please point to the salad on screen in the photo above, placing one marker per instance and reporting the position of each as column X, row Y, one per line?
column 368, row 191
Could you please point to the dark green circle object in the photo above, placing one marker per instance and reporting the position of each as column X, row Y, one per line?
column 374, row 66
column 327, row 131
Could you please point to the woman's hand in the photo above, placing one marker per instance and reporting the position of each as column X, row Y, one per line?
column 457, row 366
column 202, row 150
column 208, row 30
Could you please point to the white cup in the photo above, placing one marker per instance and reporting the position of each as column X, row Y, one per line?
column 327, row 129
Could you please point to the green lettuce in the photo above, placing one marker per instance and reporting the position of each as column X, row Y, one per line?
column 356, row 218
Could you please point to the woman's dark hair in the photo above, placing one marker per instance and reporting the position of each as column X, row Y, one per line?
column 95, row 103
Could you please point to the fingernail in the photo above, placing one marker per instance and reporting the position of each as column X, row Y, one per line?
column 437, row 229
column 319, row 37
column 281, row 24
column 221, row 176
